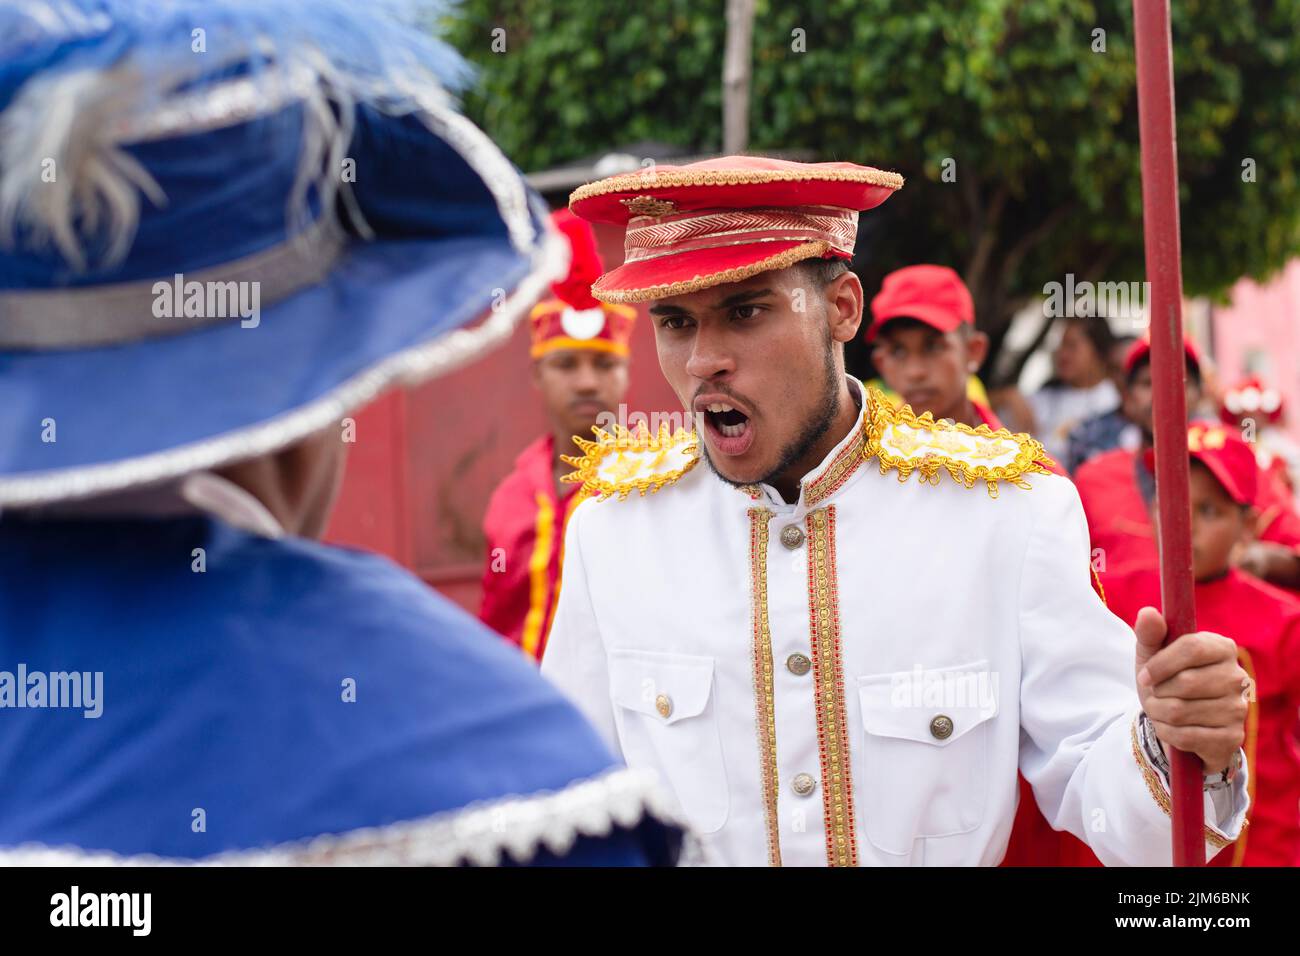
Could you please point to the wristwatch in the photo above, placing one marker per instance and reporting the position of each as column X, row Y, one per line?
column 1214, row 781
column 1155, row 752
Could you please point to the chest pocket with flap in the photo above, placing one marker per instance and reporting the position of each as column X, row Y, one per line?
column 925, row 751
column 667, row 720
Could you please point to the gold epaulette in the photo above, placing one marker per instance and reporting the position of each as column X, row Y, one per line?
column 900, row 439
column 622, row 462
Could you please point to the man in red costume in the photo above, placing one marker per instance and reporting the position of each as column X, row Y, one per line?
column 1265, row 623
column 579, row 350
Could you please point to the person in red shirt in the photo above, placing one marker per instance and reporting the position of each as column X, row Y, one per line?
column 1265, row 623
column 925, row 347
column 579, row 350
column 1116, row 486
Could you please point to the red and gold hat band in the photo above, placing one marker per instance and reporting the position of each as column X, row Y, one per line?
column 650, row 237
column 557, row 325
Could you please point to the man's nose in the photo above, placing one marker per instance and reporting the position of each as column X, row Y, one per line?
column 915, row 368
column 585, row 379
column 710, row 356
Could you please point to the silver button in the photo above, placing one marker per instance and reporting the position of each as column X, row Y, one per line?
column 803, row 784
column 792, row 536
column 941, row 727
column 798, row 664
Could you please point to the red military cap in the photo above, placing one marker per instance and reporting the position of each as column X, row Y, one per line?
column 573, row 318
column 934, row 295
column 1229, row 459
column 1141, row 350
column 723, row 220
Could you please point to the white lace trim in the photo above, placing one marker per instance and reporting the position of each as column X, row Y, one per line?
column 480, row 834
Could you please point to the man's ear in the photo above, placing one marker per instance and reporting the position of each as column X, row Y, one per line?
column 535, row 373
column 845, row 314
column 977, row 349
column 1250, row 526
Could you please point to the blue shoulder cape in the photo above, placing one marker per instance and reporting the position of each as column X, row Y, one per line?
column 290, row 702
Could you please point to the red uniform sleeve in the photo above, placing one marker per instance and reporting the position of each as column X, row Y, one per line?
column 505, row 570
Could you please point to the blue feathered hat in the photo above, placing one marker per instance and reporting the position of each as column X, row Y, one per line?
column 226, row 223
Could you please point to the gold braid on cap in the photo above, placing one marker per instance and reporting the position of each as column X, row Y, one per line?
column 782, row 260
column 654, row 178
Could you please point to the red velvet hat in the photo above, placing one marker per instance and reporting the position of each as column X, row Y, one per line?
column 723, row 220
column 573, row 318
column 934, row 295
column 1229, row 459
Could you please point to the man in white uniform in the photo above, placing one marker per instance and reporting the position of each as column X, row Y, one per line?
column 765, row 631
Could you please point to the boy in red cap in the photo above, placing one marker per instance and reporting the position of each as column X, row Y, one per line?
column 1116, row 488
column 1265, row 623
column 579, row 350
column 926, row 346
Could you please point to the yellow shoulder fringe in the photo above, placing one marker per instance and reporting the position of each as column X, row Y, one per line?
column 622, row 461
column 904, row 441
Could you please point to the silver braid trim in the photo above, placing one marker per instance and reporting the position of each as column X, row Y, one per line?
column 482, row 834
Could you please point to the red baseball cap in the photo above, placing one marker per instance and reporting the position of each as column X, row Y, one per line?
column 934, row 295
column 723, row 220
column 1141, row 349
column 1229, row 459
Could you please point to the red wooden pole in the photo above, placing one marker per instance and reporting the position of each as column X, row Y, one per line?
column 1155, row 84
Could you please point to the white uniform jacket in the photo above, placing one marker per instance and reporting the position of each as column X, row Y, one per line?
column 854, row 679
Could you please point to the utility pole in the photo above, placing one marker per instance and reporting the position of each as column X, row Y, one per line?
column 737, row 65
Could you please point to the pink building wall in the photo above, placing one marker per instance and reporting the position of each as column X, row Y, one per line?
column 1260, row 333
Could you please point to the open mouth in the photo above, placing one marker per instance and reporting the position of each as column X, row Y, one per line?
column 727, row 420
column 920, row 399
column 730, row 428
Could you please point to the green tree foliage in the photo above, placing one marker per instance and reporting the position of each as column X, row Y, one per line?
column 1039, row 126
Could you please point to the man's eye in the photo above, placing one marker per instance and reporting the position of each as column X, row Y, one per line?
column 744, row 312
column 674, row 322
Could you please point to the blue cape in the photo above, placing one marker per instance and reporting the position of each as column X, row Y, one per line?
column 226, row 722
